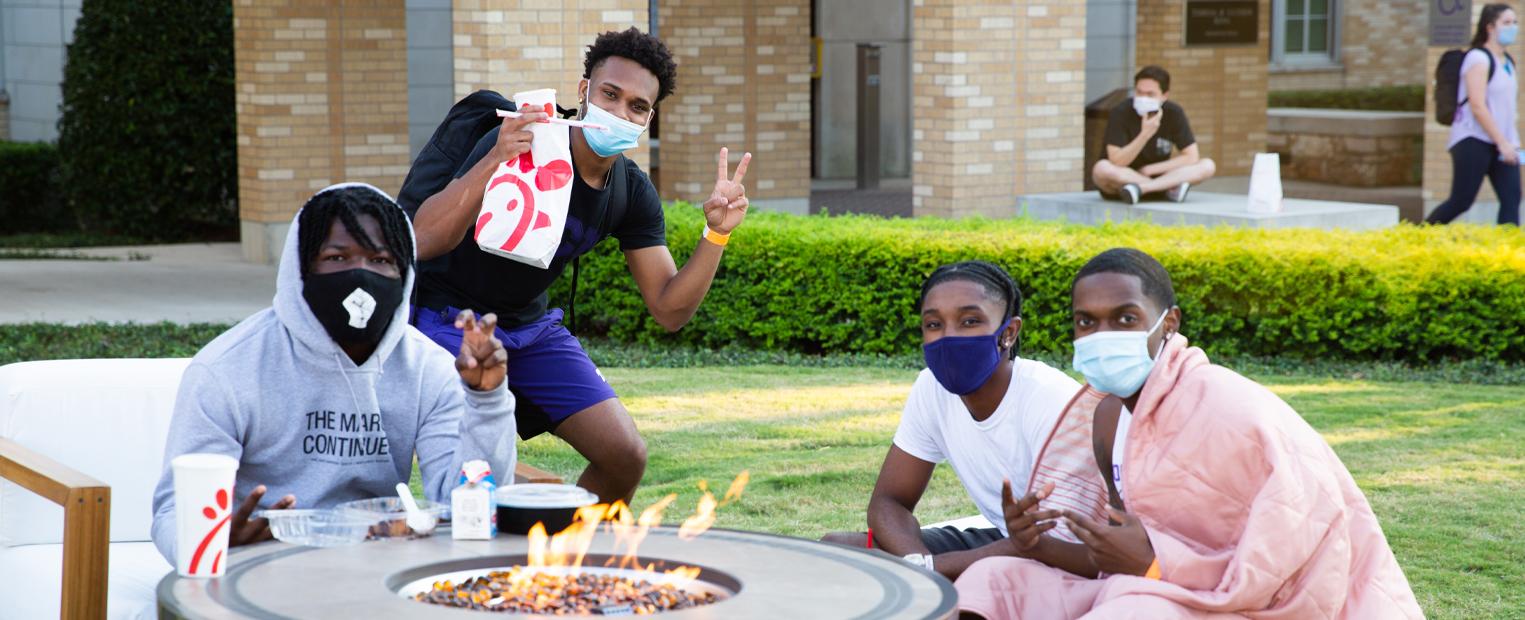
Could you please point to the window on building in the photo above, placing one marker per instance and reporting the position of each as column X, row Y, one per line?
column 1305, row 32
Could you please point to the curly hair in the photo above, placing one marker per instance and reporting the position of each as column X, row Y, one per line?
column 645, row 49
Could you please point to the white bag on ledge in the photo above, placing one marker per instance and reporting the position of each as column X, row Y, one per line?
column 1265, row 184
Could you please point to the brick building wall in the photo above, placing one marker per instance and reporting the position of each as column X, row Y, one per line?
column 517, row 45
column 1381, row 44
column 321, row 98
column 743, row 83
column 998, row 91
column 1223, row 88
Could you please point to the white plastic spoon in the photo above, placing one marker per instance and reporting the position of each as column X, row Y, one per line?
column 417, row 520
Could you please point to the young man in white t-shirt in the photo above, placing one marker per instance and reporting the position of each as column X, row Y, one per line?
column 976, row 406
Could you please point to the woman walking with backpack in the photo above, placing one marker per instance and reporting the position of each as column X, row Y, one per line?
column 1484, row 138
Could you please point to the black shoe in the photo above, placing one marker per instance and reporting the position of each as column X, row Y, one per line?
column 1131, row 193
column 1178, row 193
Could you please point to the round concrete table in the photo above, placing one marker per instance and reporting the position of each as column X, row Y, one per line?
column 778, row 577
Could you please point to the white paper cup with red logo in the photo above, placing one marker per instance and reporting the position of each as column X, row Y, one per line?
column 203, row 512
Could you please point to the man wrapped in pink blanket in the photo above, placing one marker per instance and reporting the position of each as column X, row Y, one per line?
column 1223, row 501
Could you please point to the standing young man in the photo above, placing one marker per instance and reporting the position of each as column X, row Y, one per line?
column 1141, row 134
column 625, row 75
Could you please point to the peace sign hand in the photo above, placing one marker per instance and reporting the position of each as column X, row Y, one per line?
column 727, row 205
column 482, row 362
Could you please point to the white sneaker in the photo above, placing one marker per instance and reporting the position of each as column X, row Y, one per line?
column 1131, row 193
column 1178, row 193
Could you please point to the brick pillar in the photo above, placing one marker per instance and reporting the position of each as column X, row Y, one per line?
column 322, row 98
column 998, row 93
column 517, row 45
column 1222, row 88
column 5, row 115
column 743, row 83
column 1437, row 160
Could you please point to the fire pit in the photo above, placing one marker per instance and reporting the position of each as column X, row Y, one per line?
column 750, row 575
column 589, row 590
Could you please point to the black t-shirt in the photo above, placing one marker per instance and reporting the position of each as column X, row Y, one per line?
column 467, row 277
column 1124, row 124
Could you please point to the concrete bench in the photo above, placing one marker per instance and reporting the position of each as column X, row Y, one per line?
column 1207, row 209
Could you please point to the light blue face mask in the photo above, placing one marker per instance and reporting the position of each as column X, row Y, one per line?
column 1116, row 362
column 621, row 136
column 1507, row 34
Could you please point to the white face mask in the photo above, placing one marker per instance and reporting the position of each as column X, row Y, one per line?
column 1145, row 105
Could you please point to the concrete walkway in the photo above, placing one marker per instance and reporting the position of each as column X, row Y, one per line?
column 189, row 283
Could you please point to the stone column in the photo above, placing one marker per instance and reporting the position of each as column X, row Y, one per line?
column 322, row 98
column 516, row 45
column 1222, row 88
column 1437, row 160
column 743, row 83
column 998, row 100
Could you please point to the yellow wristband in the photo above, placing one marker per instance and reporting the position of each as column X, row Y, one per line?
column 1154, row 570
column 716, row 238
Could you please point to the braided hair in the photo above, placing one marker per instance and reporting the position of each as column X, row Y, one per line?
column 348, row 204
column 997, row 283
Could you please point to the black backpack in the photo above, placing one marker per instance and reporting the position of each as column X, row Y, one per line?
column 1448, row 82
column 452, row 142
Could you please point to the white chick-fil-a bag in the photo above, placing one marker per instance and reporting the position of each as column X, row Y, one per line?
column 1265, row 184
column 524, row 208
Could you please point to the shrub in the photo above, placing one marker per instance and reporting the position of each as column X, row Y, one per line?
column 29, row 189
column 146, row 138
column 848, row 284
column 1390, row 98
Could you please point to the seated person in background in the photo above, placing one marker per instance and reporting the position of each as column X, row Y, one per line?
column 1141, row 133
column 327, row 396
column 976, row 406
column 1226, row 501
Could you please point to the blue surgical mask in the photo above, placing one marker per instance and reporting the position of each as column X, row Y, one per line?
column 964, row 363
column 1116, row 362
column 621, row 136
column 1507, row 34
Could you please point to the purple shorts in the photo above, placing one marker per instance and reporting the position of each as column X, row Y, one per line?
column 548, row 372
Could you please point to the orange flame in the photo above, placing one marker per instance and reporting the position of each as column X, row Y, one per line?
column 704, row 515
column 566, row 550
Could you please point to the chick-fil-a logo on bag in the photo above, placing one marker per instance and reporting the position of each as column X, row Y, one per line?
column 524, row 206
column 219, row 516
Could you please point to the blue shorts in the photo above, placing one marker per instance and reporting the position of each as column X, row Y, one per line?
column 548, row 372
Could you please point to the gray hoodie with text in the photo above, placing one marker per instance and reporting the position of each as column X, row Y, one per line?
column 277, row 393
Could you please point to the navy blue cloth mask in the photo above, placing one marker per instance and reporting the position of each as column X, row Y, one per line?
column 964, row 363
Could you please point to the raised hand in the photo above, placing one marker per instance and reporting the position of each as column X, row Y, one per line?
column 1119, row 549
column 1025, row 524
column 245, row 531
column 514, row 136
column 483, row 363
column 727, row 205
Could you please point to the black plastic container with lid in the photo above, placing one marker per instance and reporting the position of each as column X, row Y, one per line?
column 521, row 506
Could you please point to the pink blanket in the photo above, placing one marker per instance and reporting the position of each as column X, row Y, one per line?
column 1250, row 513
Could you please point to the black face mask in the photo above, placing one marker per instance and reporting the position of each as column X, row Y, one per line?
column 354, row 306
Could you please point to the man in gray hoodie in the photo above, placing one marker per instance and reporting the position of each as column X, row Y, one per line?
column 327, row 396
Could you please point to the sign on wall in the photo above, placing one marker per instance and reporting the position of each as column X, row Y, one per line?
column 1222, row 22
column 1450, row 22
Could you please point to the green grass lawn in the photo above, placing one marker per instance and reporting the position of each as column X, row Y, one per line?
column 1443, row 464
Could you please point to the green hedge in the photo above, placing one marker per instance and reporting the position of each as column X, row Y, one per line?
column 29, row 189
column 147, row 133
column 1390, row 98
column 849, row 284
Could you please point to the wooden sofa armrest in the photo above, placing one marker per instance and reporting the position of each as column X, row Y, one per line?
column 87, row 524
column 525, row 473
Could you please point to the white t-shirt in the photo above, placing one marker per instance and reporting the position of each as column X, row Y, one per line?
column 937, row 427
column 1119, row 443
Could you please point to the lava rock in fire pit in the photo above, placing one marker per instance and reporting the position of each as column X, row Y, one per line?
column 526, row 591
